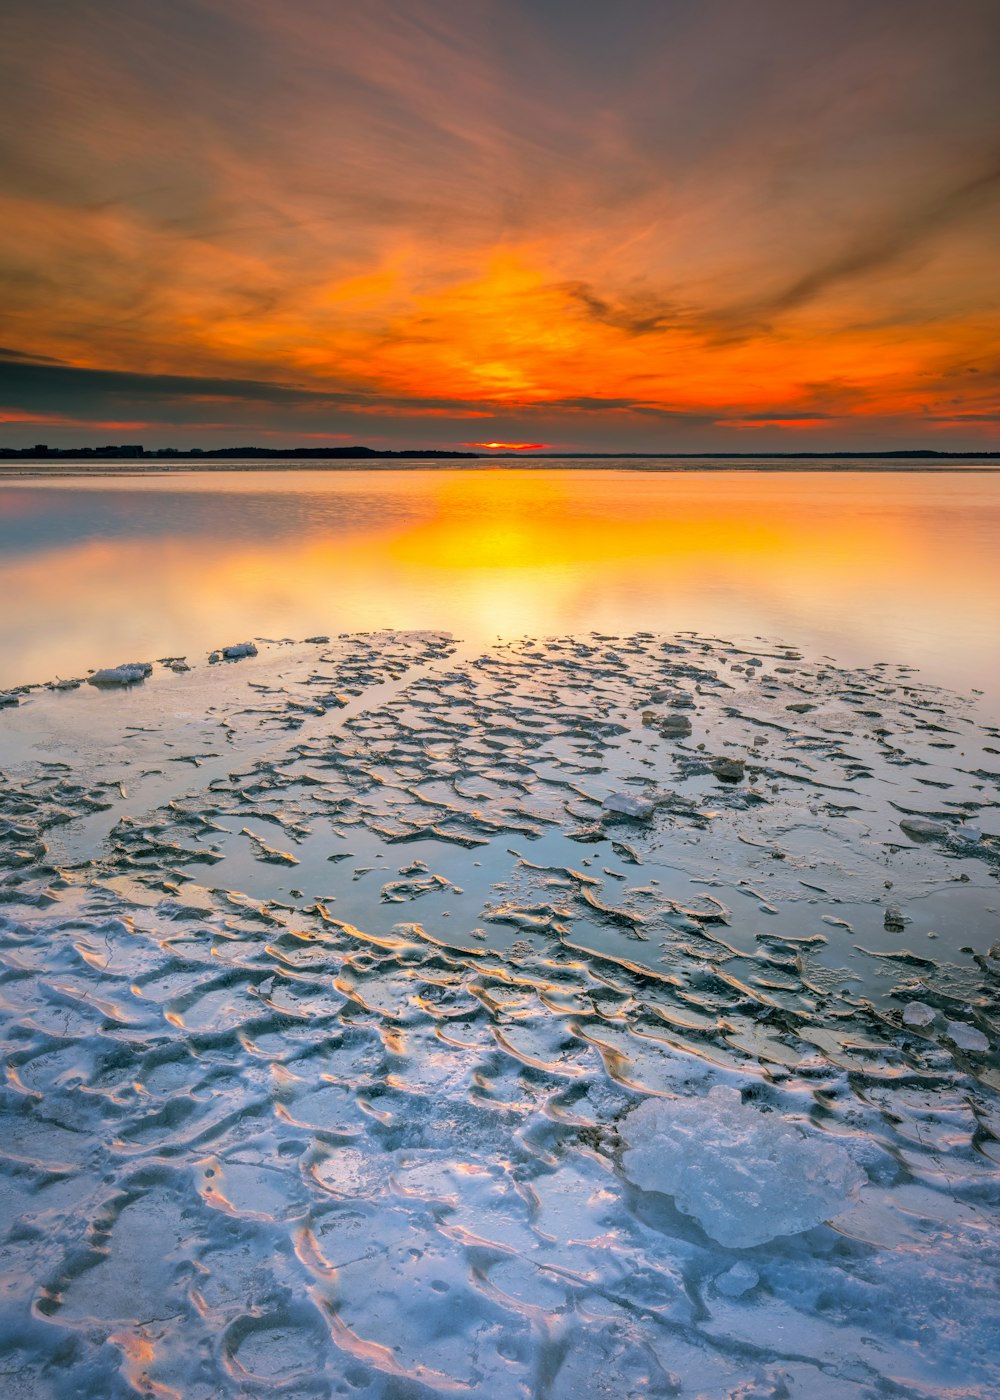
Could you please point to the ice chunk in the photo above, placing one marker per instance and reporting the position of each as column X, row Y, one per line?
column 895, row 920
column 966, row 1037
column 679, row 699
column 922, row 829
column 745, row 1176
column 918, row 1013
column 630, row 804
column 671, row 726
column 129, row 673
column 738, row 1280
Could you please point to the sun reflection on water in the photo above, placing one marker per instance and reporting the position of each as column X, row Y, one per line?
column 862, row 566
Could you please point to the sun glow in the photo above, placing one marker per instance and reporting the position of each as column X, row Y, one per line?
column 509, row 446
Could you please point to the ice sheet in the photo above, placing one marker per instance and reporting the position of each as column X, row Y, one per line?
column 334, row 988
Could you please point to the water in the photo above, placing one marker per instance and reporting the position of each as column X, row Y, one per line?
column 903, row 566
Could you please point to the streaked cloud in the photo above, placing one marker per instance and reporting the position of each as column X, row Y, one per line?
column 651, row 225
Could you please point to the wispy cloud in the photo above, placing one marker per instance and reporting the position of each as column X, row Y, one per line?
column 910, row 228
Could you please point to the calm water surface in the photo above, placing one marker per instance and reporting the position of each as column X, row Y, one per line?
column 860, row 566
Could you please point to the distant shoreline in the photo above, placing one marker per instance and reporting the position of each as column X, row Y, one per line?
column 49, row 468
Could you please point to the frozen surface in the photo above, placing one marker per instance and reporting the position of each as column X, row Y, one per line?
column 361, row 1040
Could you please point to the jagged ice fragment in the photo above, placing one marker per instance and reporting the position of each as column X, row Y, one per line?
column 744, row 1175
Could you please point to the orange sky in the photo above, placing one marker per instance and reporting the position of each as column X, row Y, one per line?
column 660, row 225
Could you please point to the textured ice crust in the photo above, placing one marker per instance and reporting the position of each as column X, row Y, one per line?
column 745, row 1176
column 267, row 1130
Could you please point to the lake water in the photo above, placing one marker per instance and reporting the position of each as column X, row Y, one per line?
column 903, row 566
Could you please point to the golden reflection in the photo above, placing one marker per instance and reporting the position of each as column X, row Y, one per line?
column 861, row 567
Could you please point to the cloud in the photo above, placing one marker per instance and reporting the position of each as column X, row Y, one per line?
column 880, row 247
column 685, row 213
column 31, row 386
column 637, row 314
column 26, row 383
column 6, row 353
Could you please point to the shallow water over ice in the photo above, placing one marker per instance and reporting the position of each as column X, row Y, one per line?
column 332, row 979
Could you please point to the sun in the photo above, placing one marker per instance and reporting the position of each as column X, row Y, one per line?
column 509, row 446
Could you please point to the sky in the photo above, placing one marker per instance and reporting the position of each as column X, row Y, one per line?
column 646, row 226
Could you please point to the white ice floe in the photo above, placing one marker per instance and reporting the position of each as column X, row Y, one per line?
column 966, row 1037
column 630, row 804
column 128, row 673
column 918, row 1013
column 744, row 1175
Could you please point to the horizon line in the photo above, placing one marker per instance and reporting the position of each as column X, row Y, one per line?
column 126, row 452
